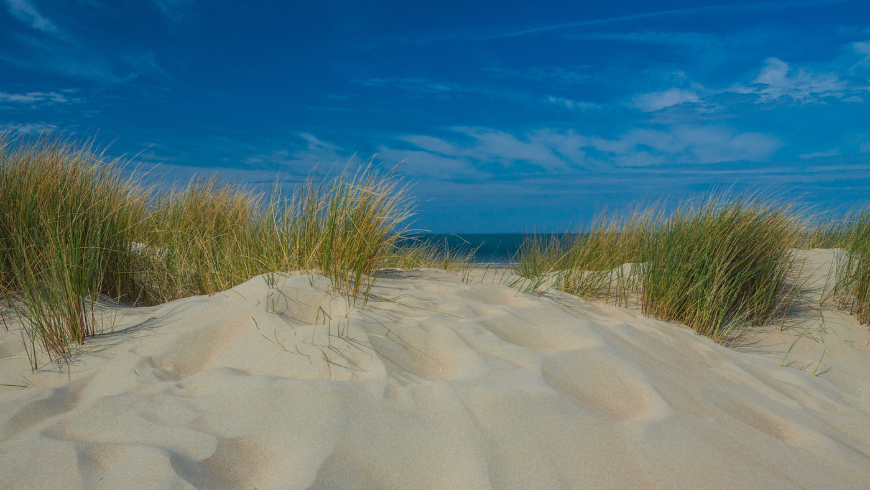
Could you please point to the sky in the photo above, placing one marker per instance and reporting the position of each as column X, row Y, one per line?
column 503, row 116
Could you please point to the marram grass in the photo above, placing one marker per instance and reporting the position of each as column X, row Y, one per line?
column 719, row 265
column 851, row 288
column 71, row 229
column 66, row 222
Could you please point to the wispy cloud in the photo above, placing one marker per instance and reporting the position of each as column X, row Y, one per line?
column 734, row 8
column 301, row 159
column 562, row 76
column 65, row 59
column 572, row 104
column 711, row 10
column 683, row 39
column 777, row 79
column 26, row 12
column 827, row 153
column 71, row 58
column 34, row 98
column 862, row 49
column 659, row 100
column 418, row 85
column 552, row 150
column 174, row 11
column 439, row 89
column 28, row 128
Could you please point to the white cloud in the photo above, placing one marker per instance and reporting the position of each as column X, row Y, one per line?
column 680, row 144
column 34, row 97
column 774, row 81
column 556, row 150
column 316, row 152
column 777, row 79
column 572, row 104
column 476, row 152
column 862, row 49
column 659, row 100
column 827, row 153
column 421, row 163
column 26, row 12
column 506, row 149
column 28, row 129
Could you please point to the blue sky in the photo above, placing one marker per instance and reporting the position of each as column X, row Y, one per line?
column 507, row 116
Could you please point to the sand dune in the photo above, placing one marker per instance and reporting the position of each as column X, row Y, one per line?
column 437, row 383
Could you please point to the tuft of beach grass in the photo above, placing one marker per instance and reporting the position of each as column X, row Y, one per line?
column 718, row 265
column 72, row 228
column 851, row 288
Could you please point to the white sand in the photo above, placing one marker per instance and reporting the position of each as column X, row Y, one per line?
column 436, row 384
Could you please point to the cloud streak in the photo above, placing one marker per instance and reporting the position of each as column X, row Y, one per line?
column 28, row 128
column 659, row 100
column 460, row 36
column 777, row 79
column 30, row 98
column 26, row 12
column 174, row 11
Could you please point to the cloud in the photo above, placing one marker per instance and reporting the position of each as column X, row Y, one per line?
column 694, row 144
column 828, row 153
column 71, row 61
column 549, row 150
column 174, row 11
column 862, row 49
column 61, row 52
column 777, row 80
column 562, row 76
column 692, row 40
column 746, row 8
column 301, row 160
column 28, row 128
column 478, row 154
column 420, row 163
column 418, row 85
column 34, row 97
column 26, row 12
column 572, row 104
column 659, row 100
column 74, row 59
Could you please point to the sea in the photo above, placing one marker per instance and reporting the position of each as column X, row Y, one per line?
column 491, row 248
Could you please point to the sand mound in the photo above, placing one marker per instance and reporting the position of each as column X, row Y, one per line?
column 436, row 383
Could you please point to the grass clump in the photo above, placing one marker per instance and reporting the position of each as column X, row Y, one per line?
column 851, row 290
column 72, row 228
column 596, row 264
column 718, row 266
column 66, row 223
column 411, row 252
column 348, row 228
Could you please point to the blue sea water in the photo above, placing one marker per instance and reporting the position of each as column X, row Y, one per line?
column 491, row 248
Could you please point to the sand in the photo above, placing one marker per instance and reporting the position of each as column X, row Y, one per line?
column 439, row 382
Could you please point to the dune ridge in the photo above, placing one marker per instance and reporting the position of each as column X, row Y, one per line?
column 440, row 381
